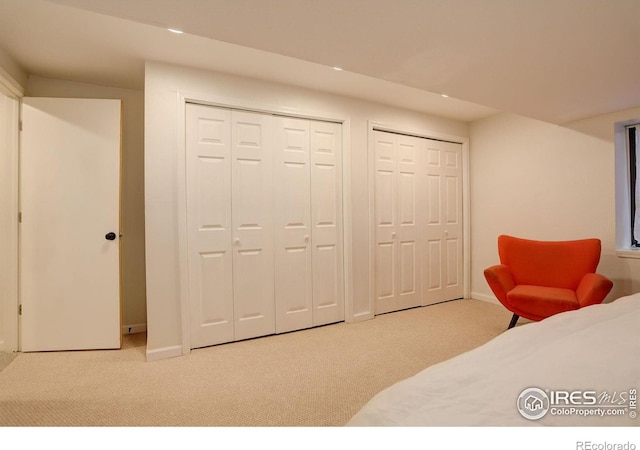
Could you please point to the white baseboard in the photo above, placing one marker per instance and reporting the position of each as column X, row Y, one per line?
column 360, row 317
column 484, row 298
column 134, row 328
column 164, row 353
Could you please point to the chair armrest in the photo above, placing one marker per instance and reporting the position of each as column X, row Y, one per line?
column 500, row 280
column 593, row 288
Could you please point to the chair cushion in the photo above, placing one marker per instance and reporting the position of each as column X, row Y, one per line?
column 541, row 301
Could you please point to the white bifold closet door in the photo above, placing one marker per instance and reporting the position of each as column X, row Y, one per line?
column 442, row 225
column 418, row 221
column 308, row 217
column 398, row 194
column 230, row 225
column 264, row 224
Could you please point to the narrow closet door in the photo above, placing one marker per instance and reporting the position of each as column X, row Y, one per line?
column 252, row 219
column 385, row 222
column 397, row 255
column 443, row 244
column 409, row 199
column 210, row 259
column 293, row 270
column 326, row 218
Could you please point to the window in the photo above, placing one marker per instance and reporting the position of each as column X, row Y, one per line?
column 634, row 185
column 627, row 140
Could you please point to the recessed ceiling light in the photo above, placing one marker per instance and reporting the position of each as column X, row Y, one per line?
column 339, row 69
column 445, row 95
column 173, row 30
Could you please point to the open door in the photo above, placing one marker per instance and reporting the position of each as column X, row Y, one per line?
column 70, row 227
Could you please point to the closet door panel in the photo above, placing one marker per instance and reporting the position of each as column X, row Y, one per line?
column 454, row 287
column 385, row 225
column 398, row 245
column 443, row 226
column 208, row 178
column 252, row 218
column 407, row 259
column 293, row 262
column 326, row 219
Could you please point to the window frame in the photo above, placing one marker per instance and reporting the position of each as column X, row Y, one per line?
column 624, row 193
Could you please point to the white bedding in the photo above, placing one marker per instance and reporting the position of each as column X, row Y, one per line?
column 595, row 350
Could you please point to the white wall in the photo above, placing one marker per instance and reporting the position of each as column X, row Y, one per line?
column 132, row 184
column 162, row 84
column 541, row 181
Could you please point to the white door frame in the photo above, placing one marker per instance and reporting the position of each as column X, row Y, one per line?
column 185, row 97
column 466, row 230
column 9, row 201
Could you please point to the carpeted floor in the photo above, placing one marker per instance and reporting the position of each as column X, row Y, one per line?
column 5, row 359
column 316, row 377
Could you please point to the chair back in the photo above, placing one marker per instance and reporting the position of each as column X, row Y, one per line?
column 549, row 263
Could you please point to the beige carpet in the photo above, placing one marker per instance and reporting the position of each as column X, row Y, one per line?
column 315, row 377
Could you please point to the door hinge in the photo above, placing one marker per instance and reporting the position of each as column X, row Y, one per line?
column 20, row 217
column 20, row 310
column 20, row 125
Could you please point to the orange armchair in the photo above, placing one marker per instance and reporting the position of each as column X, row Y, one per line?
column 537, row 279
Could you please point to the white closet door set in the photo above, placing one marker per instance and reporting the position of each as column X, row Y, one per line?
column 264, row 223
column 418, row 227
column 264, row 220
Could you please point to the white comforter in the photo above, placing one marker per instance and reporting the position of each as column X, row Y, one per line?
column 594, row 350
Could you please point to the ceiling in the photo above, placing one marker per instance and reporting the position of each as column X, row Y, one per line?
column 553, row 60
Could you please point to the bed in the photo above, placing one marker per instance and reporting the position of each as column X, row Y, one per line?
column 584, row 363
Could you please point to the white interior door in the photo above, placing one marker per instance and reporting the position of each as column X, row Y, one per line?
column 308, row 196
column 443, row 245
column 418, row 202
column 293, row 262
column 252, row 221
column 264, row 221
column 398, row 196
column 326, row 220
column 208, row 178
column 69, row 201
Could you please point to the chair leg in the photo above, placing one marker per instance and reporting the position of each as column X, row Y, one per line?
column 513, row 322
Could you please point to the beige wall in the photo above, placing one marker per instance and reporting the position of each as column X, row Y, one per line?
column 163, row 82
column 132, row 185
column 537, row 180
column 11, row 73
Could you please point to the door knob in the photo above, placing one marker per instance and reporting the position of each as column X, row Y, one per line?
column 111, row 236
